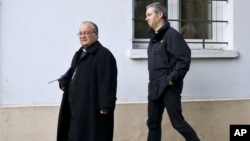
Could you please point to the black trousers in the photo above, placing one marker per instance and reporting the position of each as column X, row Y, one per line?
column 172, row 102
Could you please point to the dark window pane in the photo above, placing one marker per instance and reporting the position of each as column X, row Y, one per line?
column 140, row 25
column 195, row 17
column 140, row 29
column 194, row 20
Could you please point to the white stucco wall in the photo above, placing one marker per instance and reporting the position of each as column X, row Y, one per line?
column 38, row 40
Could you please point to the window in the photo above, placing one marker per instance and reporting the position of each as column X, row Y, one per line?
column 203, row 23
column 140, row 25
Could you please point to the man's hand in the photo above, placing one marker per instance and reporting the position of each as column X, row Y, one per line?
column 170, row 83
column 103, row 112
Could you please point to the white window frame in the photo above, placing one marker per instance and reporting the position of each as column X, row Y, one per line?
column 221, row 32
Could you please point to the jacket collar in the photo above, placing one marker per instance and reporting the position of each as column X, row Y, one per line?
column 92, row 48
column 157, row 36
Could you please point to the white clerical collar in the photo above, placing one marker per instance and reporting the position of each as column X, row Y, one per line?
column 83, row 49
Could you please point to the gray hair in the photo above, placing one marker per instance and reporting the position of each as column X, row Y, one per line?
column 159, row 8
column 94, row 25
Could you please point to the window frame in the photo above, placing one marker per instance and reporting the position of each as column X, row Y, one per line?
column 210, row 48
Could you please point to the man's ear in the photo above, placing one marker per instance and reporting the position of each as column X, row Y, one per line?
column 161, row 15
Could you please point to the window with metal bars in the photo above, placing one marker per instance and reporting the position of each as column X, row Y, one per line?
column 199, row 21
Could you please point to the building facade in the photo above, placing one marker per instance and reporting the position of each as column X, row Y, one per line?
column 38, row 40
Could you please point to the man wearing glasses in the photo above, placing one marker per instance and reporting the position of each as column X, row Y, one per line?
column 88, row 103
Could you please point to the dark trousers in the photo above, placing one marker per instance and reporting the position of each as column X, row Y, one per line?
column 172, row 102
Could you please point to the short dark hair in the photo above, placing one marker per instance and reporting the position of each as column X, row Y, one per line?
column 159, row 8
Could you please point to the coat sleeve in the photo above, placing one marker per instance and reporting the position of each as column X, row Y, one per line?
column 180, row 57
column 65, row 78
column 107, row 81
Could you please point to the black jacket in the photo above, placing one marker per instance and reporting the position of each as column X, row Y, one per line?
column 169, row 59
column 90, row 86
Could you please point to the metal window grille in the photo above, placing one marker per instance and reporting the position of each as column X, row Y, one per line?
column 197, row 21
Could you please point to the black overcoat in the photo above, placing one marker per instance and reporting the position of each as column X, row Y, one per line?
column 169, row 59
column 90, row 86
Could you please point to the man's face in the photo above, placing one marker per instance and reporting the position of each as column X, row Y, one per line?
column 87, row 35
column 153, row 18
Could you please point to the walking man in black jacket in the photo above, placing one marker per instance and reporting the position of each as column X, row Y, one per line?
column 169, row 59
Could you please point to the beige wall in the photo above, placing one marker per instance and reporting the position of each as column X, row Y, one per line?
column 211, row 120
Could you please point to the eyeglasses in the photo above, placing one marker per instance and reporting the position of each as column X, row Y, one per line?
column 85, row 33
